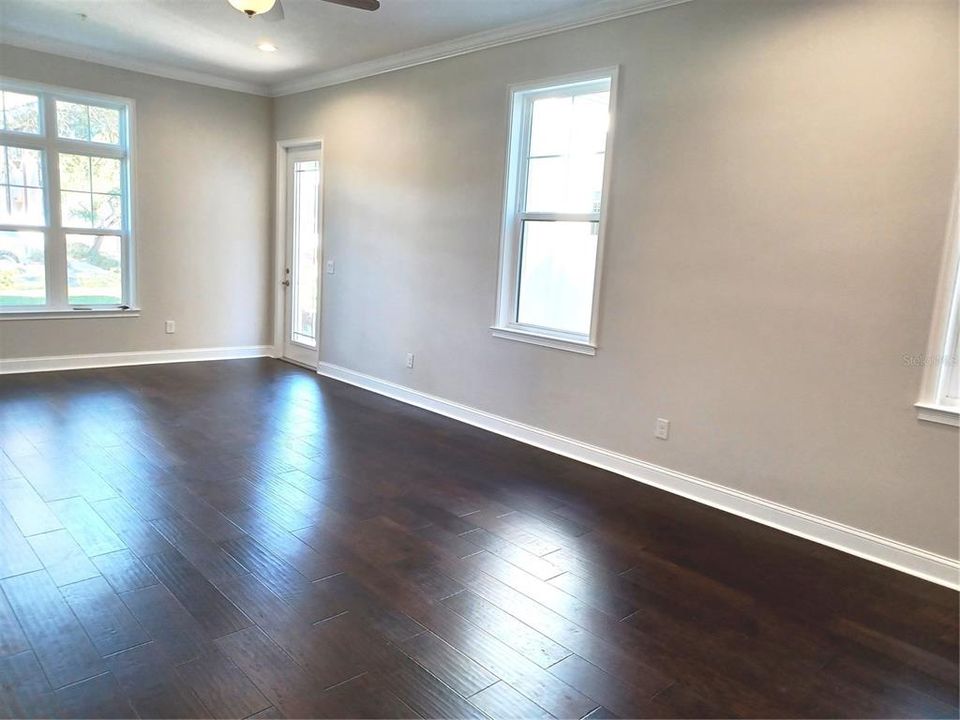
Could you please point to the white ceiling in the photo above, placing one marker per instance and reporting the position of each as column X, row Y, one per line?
column 207, row 40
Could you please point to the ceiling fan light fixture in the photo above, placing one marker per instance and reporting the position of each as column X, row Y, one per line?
column 252, row 7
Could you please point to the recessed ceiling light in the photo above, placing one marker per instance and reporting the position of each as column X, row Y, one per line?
column 266, row 47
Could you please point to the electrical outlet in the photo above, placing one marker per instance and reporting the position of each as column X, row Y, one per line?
column 331, row 267
column 170, row 327
column 663, row 429
column 409, row 360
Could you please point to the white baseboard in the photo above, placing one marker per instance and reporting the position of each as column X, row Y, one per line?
column 906, row 558
column 149, row 357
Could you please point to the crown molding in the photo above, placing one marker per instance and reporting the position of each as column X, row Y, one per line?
column 124, row 62
column 602, row 11
column 598, row 12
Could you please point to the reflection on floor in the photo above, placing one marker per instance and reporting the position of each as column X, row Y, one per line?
column 243, row 538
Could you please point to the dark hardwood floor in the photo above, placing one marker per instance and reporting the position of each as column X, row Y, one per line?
column 245, row 539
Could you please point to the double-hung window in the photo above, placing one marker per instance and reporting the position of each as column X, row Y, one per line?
column 65, row 203
column 560, row 139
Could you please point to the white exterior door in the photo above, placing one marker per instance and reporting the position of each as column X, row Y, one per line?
column 303, row 254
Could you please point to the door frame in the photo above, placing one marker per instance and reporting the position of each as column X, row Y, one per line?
column 280, row 239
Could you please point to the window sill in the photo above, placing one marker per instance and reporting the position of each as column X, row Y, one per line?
column 943, row 414
column 67, row 314
column 550, row 341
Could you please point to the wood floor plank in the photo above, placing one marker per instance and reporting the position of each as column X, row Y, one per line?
column 622, row 698
column 108, row 622
column 424, row 692
column 92, row 534
column 24, row 690
column 222, row 687
column 98, row 697
column 311, row 600
column 150, row 681
column 194, row 509
column 502, row 702
column 599, row 647
column 212, row 562
column 62, row 557
column 214, row 613
column 429, row 581
column 594, row 593
column 134, row 530
column 530, row 679
column 511, row 632
column 311, row 563
column 61, row 646
column 287, row 685
column 536, row 566
column 343, row 589
column 327, row 663
column 12, row 639
column 361, row 697
column 169, row 625
column 124, row 571
column 16, row 555
column 450, row 665
column 26, row 507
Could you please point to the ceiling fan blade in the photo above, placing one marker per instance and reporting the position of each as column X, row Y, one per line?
column 358, row 4
column 274, row 14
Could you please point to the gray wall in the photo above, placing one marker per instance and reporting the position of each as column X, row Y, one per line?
column 780, row 192
column 203, row 191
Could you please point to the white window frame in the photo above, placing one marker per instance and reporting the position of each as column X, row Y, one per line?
column 520, row 98
column 941, row 359
column 55, row 240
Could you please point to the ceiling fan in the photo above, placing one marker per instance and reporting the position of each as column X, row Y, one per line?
column 272, row 10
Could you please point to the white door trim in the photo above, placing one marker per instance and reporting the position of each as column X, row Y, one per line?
column 279, row 235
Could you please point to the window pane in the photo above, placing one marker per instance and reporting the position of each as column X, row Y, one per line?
column 74, row 172
column 77, row 209
column 572, row 184
column 557, row 262
column 21, row 189
column 953, row 380
column 73, row 121
column 550, row 126
column 591, row 117
column 21, row 112
column 585, row 185
column 567, row 144
column 105, row 173
column 306, row 245
column 547, row 184
column 91, row 191
column 106, row 211
column 93, row 270
column 22, row 273
column 104, row 125
column 24, row 167
column 88, row 122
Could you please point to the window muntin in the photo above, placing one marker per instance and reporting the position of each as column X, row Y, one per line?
column 65, row 225
column 552, row 229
